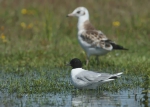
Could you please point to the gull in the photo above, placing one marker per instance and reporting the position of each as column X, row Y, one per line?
column 84, row 79
column 93, row 41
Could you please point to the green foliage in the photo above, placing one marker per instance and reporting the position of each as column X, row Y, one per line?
column 37, row 40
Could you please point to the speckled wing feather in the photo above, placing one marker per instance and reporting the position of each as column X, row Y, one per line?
column 96, row 39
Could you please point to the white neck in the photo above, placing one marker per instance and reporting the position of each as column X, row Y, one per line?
column 76, row 71
column 81, row 21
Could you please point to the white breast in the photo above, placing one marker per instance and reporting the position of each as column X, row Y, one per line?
column 77, row 83
column 87, row 47
column 74, row 72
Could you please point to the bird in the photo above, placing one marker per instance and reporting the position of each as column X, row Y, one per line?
column 93, row 41
column 85, row 79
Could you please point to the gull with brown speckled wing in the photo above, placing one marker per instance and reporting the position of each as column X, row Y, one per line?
column 93, row 41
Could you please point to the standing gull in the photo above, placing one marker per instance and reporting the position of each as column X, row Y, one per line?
column 93, row 41
column 84, row 79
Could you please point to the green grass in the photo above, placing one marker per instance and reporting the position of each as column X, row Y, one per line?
column 37, row 44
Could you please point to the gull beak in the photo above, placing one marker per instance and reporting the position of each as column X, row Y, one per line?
column 68, row 64
column 70, row 15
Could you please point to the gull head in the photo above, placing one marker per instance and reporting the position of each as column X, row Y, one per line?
column 79, row 12
column 75, row 63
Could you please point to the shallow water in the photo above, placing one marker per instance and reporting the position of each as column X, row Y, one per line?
column 126, row 98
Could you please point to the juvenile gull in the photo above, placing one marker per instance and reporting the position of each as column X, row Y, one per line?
column 93, row 41
column 84, row 79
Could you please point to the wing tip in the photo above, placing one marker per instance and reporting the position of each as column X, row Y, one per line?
column 120, row 73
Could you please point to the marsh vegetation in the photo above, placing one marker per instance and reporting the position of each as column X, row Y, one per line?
column 37, row 40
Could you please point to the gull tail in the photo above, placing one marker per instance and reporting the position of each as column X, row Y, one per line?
column 115, row 46
column 118, row 47
column 113, row 77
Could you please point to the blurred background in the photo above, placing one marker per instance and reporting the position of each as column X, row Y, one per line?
column 37, row 40
column 36, row 28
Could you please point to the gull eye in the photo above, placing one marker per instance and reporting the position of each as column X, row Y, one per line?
column 78, row 12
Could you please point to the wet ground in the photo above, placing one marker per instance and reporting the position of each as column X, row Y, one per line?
column 125, row 98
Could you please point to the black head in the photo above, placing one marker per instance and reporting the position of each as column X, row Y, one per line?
column 75, row 63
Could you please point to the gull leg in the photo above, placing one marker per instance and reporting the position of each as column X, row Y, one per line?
column 97, row 59
column 87, row 60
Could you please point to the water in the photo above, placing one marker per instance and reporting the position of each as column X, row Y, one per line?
column 125, row 98
column 39, row 81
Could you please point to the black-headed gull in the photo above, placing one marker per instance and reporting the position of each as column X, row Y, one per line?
column 84, row 79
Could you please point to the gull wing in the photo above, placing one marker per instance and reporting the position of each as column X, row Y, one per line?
column 88, row 76
column 96, row 39
column 91, row 77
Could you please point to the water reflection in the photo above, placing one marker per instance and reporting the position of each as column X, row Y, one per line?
column 90, row 99
column 129, row 98
column 122, row 99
